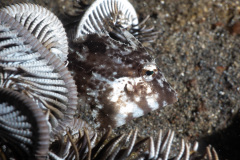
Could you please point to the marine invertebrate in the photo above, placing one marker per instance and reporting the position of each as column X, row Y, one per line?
column 43, row 24
column 23, row 127
column 28, row 67
column 102, row 14
column 107, row 16
column 61, row 146
column 127, row 146
column 118, row 82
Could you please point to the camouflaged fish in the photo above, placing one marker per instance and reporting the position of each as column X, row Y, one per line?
column 117, row 81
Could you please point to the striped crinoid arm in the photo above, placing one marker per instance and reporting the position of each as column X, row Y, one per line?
column 144, row 33
column 28, row 67
column 43, row 24
column 128, row 146
column 107, row 16
column 61, row 147
column 162, row 149
column 103, row 14
column 23, row 127
column 90, row 146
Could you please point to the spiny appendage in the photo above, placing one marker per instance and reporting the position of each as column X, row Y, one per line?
column 108, row 16
column 28, row 67
column 127, row 146
column 144, row 33
column 117, row 81
column 23, row 127
column 61, row 147
column 43, row 24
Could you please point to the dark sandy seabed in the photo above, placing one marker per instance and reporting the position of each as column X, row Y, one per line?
column 198, row 50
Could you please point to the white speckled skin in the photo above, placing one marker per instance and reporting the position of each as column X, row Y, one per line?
column 117, row 81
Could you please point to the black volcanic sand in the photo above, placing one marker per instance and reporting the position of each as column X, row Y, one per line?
column 198, row 50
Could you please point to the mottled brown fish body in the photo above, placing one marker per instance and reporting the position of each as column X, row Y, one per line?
column 117, row 81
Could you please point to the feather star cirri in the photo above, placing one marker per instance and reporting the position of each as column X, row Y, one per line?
column 117, row 81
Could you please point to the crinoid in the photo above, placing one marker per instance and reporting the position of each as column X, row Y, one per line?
column 28, row 67
column 126, row 146
column 43, row 24
column 107, row 16
column 23, row 127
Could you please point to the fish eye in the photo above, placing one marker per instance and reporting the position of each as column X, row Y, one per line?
column 149, row 72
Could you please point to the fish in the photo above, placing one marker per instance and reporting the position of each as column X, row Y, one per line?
column 117, row 80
